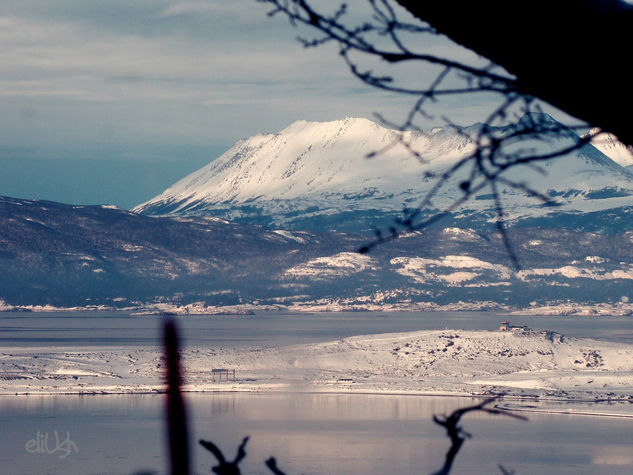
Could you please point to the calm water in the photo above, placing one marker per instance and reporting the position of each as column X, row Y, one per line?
column 308, row 433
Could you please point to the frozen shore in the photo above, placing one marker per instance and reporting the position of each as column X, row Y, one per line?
column 521, row 363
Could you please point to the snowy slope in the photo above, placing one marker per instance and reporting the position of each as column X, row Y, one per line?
column 312, row 171
column 319, row 164
column 519, row 362
column 613, row 148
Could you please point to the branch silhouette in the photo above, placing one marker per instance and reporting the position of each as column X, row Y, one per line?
column 271, row 463
column 458, row 435
column 516, row 119
column 176, row 413
column 226, row 467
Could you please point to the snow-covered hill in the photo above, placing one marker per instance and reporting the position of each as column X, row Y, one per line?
column 521, row 362
column 315, row 175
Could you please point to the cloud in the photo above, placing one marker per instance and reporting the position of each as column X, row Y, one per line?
column 117, row 74
column 167, row 80
column 200, row 7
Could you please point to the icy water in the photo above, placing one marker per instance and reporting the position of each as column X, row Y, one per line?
column 308, row 433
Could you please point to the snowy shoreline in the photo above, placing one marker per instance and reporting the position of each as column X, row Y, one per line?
column 623, row 308
column 522, row 364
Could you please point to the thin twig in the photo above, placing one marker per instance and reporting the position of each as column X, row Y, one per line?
column 516, row 118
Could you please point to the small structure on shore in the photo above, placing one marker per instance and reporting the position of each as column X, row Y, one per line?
column 506, row 327
column 218, row 373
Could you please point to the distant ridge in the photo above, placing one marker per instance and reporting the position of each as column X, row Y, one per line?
column 60, row 255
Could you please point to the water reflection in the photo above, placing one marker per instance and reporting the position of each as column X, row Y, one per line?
column 308, row 433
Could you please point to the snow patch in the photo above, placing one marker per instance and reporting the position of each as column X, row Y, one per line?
column 574, row 272
column 424, row 270
column 131, row 247
column 342, row 264
column 289, row 235
column 461, row 234
column 596, row 259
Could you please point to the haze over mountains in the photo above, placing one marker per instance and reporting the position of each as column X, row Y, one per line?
column 316, row 176
column 318, row 195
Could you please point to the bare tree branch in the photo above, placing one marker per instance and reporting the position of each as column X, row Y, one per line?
column 515, row 121
column 455, row 433
column 271, row 463
column 225, row 467
column 458, row 435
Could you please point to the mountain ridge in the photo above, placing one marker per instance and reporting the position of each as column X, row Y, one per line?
column 317, row 175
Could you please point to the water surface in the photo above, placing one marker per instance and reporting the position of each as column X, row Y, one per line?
column 273, row 328
column 307, row 433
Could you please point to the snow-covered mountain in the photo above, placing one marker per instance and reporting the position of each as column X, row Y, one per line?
column 612, row 147
column 308, row 171
column 315, row 175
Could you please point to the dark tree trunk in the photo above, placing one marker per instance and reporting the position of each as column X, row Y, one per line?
column 573, row 54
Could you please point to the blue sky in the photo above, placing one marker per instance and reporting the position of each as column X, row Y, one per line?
column 112, row 101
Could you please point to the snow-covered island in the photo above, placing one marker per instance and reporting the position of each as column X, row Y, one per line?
column 519, row 362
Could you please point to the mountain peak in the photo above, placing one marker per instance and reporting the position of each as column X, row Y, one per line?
column 325, row 162
column 359, row 124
